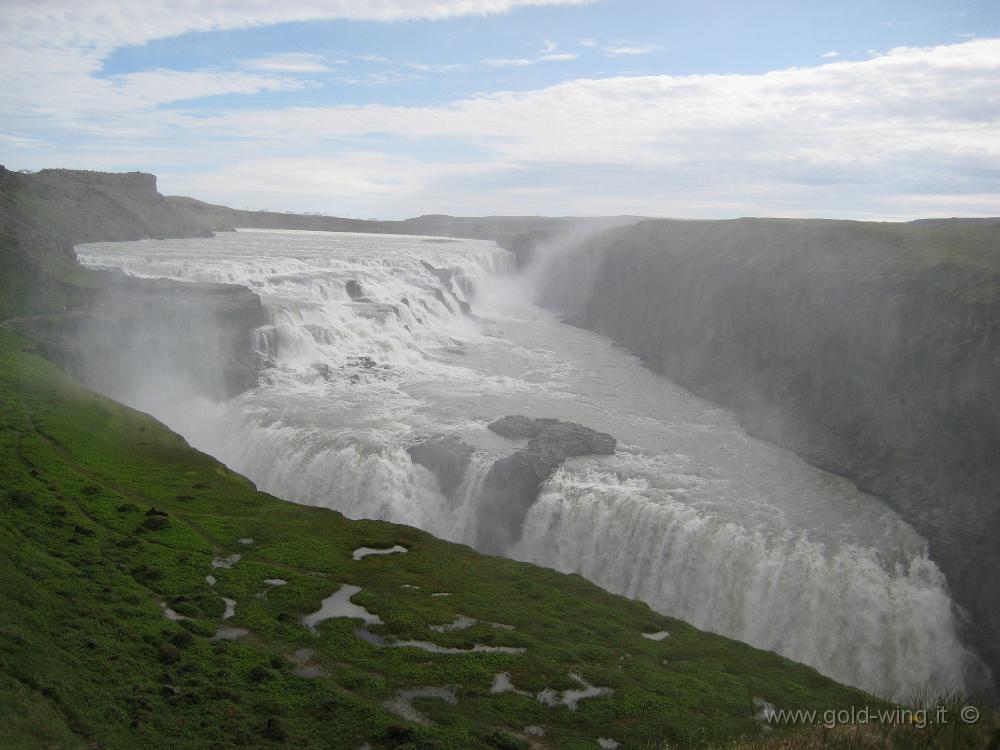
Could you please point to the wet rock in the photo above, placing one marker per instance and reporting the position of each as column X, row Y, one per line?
column 323, row 369
column 513, row 483
column 353, row 289
column 380, row 311
column 516, row 427
column 446, row 457
column 443, row 275
column 566, row 438
column 365, row 362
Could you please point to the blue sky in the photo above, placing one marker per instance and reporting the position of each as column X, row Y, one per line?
column 884, row 110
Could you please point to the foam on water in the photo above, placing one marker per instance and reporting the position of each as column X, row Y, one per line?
column 369, row 347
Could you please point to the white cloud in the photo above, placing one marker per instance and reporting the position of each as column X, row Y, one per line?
column 388, row 78
column 292, row 62
column 830, row 55
column 645, row 49
column 358, row 184
column 153, row 87
column 436, row 67
column 106, row 24
column 519, row 62
column 20, row 141
column 877, row 137
column 422, row 67
column 52, row 51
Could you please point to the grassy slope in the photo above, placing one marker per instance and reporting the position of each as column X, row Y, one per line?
column 86, row 652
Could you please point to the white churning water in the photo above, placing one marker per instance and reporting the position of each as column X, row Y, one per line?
column 368, row 348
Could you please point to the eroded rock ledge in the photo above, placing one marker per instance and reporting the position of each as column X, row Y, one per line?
column 513, row 482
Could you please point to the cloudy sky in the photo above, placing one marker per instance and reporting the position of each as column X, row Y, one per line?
column 883, row 109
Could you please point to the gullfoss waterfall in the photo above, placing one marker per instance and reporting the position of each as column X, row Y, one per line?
column 375, row 343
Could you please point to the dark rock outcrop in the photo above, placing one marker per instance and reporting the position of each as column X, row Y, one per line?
column 871, row 350
column 563, row 438
column 512, row 484
column 353, row 289
column 446, row 457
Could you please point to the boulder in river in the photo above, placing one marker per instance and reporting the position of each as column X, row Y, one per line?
column 513, row 482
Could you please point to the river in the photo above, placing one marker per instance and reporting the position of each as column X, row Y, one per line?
column 370, row 347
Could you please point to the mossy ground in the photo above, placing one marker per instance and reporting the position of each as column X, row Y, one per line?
column 88, row 659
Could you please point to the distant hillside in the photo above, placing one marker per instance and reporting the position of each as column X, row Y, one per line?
column 502, row 229
column 995, row 220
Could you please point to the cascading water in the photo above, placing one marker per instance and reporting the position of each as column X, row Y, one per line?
column 370, row 346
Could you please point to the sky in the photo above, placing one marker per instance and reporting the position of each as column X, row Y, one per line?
column 874, row 109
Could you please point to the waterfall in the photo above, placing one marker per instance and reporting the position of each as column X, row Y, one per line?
column 885, row 626
column 371, row 344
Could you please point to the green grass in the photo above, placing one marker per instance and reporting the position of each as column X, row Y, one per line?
column 87, row 657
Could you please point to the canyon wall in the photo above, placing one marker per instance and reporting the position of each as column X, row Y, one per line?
column 871, row 350
column 107, row 328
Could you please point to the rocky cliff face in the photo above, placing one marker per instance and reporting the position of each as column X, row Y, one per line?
column 106, row 327
column 107, row 206
column 872, row 350
column 146, row 333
